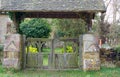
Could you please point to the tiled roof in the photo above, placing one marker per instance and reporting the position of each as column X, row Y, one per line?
column 52, row 5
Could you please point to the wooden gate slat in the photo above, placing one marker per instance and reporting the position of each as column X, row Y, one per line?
column 55, row 61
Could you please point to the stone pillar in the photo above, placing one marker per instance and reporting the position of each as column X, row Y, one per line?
column 4, row 19
column 12, row 51
column 90, row 54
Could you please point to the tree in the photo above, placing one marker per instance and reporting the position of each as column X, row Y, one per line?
column 71, row 27
column 113, row 11
column 108, row 22
column 100, row 28
column 35, row 28
column 113, row 17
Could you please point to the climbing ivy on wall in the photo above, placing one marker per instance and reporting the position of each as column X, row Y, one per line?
column 17, row 14
column 11, row 15
column 17, row 18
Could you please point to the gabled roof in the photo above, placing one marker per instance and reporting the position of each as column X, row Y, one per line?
column 52, row 5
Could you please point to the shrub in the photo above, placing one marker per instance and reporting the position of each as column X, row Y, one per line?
column 32, row 49
column 69, row 49
column 35, row 28
column 70, row 27
column 1, row 47
column 117, row 49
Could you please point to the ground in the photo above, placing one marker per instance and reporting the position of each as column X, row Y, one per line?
column 104, row 72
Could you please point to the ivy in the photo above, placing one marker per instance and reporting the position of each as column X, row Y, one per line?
column 18, row 15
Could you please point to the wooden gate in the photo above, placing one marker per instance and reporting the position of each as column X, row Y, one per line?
column 52, row 53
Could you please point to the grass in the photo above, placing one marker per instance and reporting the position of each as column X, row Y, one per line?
column 47, row 51
column 45, row 60
column 104, row 72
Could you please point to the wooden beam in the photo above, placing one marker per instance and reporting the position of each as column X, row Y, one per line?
column 17, row 18
column 15, row 21
column 88, row 19
column 54, row 14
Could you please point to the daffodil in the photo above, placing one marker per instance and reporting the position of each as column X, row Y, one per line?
column 32, row 49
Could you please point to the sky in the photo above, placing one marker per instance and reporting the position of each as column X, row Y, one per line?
column 109, row 13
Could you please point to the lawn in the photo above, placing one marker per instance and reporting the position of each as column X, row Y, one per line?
column 47, row 51
column 104, row 72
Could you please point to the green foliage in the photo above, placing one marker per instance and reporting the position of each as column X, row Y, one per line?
column 17, row 14
column 7, row 70
column 2, row 70
column 35, row 28
column 1, row 48
column 70, row 27
column 69, row 49
column 117, row 48
column 104, row 72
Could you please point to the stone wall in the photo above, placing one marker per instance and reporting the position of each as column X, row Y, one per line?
column 90, row 55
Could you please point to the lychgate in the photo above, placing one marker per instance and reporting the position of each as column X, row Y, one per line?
column 21, row 9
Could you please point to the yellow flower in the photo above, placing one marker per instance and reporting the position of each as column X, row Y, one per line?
column 32, row 49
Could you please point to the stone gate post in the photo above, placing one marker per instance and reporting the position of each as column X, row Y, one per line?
column 90, row 53
column 12, row 51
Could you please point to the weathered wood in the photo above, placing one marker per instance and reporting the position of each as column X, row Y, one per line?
column 67, row 60
column 55, row 61
column 40, row 60
column 89, row 21
column 51, row 56
column 55, row 14
column 59, row 61
column 72, row 60
column 38, row 39
column 65, row 48
column 46, row 39
column 23, row 51
column 80, row 51
column 32, row 60
column 16, row 20
column 27, row 52
column 68, row 39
